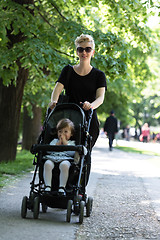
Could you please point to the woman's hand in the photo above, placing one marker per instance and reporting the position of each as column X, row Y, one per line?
column 86, row 105
column 52, row 105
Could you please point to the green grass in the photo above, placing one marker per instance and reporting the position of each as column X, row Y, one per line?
column 136, row 150
column 12, row 170
column 151, row 159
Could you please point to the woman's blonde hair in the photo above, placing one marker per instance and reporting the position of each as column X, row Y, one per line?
column 85, row 38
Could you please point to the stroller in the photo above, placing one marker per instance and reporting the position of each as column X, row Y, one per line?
column 76, row 198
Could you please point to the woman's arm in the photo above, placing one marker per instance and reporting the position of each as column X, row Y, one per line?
column 99, row 100
column 55, row 94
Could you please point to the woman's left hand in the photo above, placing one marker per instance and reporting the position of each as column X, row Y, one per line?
column 87, row 105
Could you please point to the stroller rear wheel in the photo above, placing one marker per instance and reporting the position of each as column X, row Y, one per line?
column 81, row 211
column 24, row 207
column 69, row 210
column 36, row 208
column 44, row 208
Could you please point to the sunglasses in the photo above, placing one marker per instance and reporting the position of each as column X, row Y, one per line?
column 81, row 49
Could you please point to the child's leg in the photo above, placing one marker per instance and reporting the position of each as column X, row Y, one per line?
column 64, row 172
column 48, row 166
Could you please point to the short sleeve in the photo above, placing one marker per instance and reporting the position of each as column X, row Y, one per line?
column 101, row 80
column 63, row 76
column 54, row 141
column 71, row 142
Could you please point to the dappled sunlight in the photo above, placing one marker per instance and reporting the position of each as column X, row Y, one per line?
column 116, row 162
column 119, row 164
column 145, row 202
column 103, row 171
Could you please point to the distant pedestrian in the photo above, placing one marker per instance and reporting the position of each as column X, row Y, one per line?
column 127, row 133
column 145, row 135
column 110, row 128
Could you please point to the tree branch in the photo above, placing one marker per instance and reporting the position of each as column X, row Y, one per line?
column 43, row 16
column 56, row 8
column 62, row 52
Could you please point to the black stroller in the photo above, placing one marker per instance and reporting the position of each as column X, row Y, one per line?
column 76, row 198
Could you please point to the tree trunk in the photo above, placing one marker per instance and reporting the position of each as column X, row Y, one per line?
column 31, row 127
column 11, row 99
column 10, row 105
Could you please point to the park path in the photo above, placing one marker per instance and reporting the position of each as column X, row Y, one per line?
column 126, row 192
column 127, row 195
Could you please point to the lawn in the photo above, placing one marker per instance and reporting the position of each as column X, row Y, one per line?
column 136, row 150
column 12, row 170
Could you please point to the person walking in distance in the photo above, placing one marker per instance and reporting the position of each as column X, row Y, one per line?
column 110, row 128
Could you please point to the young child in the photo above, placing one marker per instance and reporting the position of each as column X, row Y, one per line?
column 65, row 129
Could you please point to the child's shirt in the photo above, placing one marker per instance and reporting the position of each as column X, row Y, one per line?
column 60, row 156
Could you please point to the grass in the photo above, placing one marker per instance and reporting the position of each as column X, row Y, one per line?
column 12, row 170
column 154, row 161
column 136, row 150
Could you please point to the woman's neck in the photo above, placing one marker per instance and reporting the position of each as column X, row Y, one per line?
column 82, row 68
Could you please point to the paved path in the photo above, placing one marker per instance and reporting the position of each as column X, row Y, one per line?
column 126, row 198
column 126, row 192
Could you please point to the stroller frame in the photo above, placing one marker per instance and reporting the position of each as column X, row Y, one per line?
column 76, row 198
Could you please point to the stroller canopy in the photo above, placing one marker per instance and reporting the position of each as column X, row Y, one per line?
column 66, row 110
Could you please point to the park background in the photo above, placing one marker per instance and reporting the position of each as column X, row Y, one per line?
column 37, row 41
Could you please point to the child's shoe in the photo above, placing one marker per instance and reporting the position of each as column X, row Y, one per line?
column 62, row 191
column 47, row 189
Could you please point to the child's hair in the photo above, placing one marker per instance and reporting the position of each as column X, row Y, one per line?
column 65, row 122
column 85, row 38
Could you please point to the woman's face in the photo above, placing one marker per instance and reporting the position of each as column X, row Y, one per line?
column 85, row 51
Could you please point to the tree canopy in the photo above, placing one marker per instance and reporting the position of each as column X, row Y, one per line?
column 38, row 36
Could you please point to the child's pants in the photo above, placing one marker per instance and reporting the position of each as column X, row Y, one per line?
column 64, row 172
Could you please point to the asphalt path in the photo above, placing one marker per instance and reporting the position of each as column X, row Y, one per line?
column 53, row 225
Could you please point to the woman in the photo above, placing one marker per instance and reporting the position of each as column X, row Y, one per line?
column 86, row 84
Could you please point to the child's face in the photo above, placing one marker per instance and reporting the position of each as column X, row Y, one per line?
column 65, row 132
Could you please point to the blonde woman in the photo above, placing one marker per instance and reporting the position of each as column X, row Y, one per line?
column 86, row 84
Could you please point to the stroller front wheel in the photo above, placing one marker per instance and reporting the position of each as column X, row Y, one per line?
column 81, row 212
column 24, row 207
column 36, row 208
column 89, row 205
column 69, row 210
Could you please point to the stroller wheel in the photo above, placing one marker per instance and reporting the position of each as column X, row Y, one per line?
column 36, row 208
column 77, row 201
column 89, row 205
column 44, row 208
column 81, row 211
column 24, row 207
column 69, row 210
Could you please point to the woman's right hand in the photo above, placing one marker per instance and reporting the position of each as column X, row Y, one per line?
column 52, row 105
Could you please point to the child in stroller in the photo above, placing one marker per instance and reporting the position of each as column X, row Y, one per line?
column 75, row 197
column 65, row 129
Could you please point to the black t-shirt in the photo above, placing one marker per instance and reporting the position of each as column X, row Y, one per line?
column 82, row 88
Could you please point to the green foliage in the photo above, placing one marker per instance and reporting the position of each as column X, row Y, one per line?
column 41, row 35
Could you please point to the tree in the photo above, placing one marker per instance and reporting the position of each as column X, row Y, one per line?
column 36, row 38
column 31, row 127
